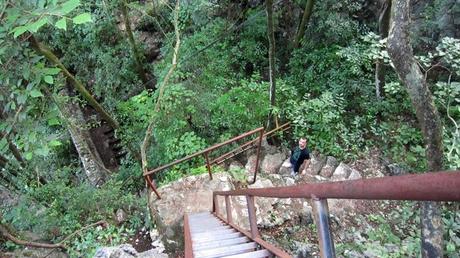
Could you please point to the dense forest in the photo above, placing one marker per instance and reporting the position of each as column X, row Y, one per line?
column 93, row 93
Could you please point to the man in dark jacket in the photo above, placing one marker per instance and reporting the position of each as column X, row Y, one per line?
column 299, row 155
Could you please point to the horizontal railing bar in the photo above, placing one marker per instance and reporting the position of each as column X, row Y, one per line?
column 435, row 186
column 203, row 151
column 229, row 155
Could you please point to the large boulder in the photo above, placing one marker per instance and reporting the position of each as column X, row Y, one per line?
column 127, row 251
column 285, row 168
column 329, row 167
column 272, row 163
column 317, row 162
column 36, row 253
column 251, row 164
column 342, row 172
column 187, row 195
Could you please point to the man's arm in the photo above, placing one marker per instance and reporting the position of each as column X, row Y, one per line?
column 305, row 165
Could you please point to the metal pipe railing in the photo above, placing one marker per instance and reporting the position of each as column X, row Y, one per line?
column 250, row 144
column 437, row 186
column 188, row 251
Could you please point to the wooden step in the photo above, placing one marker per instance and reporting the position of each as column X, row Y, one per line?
column 220, row 243
column 255, row 254
column 226, row 250
column 206, row 229
column 212, row 234
column 218, row 237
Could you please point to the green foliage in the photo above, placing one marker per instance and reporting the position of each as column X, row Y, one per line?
column 42, row 13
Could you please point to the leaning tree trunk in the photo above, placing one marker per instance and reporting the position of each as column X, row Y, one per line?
column 384, row 24
column 401, row 55
column 92, row 163
column 271, row 59
column 48, row 54
column 304, row 22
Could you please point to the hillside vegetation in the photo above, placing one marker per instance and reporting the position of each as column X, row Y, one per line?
column 81, row 81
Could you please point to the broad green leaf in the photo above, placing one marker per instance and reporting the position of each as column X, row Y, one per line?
column 55, row 143
column 52, row 71
column 28, row 155
column 21, row 99
column 82, row 18
column 35, row 93
column 69, row 6
column 34, row 27
column 53, row 121
column 61, row 24
column 48, row 79
column 18, row 31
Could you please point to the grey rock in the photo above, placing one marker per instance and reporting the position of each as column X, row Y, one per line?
column 342, row 172
column 329, row 167
column 120, row 216
column 317, row 162
column 303, row 250
column 272, row 163
column 235, row 165
column 354, row 174
column 37, row 253
column 251, row 165
column 394, row 170
column 285, row 168
column 267, row 148
column 127, row 251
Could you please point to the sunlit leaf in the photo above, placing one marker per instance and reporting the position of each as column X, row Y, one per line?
column 69, row 6
column 35, row 93
column 61, row 24
column 82, row 18
column 48, row 79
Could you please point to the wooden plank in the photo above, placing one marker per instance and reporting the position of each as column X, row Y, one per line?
column 212, row 233
column 219, row 237
column 201, row 230
column 226, row 250
column 220, row 243
column 256, row 254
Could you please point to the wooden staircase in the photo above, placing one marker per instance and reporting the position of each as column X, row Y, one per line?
column 212, row 237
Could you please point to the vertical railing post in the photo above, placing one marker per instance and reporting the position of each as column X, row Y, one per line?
column 259, row 144
column 208, row 165
column 152, row 186
column 252, row 216
column 215, row 204
column 326, row 243
column 228, row 208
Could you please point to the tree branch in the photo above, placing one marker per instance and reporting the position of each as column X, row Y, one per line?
column 163, row 85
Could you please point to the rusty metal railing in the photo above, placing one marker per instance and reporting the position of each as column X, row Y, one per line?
column 438, row 186
column 244, row 147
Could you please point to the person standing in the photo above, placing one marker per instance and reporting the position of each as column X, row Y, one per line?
column 299, row 156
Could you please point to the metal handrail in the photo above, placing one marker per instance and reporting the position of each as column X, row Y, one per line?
column 437, row 186
column 244, row 147
column 205, row 153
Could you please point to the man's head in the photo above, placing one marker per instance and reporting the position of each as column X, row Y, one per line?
column 302, row 143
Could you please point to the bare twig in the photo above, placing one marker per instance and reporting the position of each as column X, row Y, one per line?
column 163, row 85
column 5, row 232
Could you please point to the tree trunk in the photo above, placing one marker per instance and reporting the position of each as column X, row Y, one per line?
column 92, row 164
column 136, row 54
column 304, row 22
column 380, row 70
column 401, row 54
column 271, row 59
column 48, row 54
column 14, row 150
